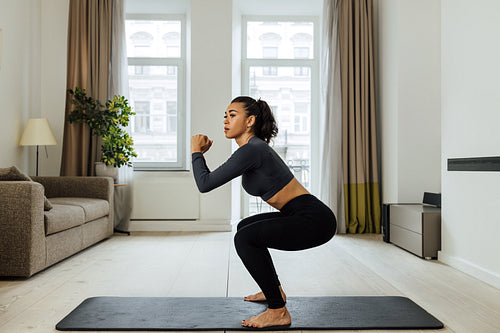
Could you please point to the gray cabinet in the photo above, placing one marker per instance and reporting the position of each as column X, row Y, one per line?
column 416, row 228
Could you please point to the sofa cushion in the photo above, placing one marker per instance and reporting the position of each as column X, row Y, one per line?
column 93, row 208
column 63, row 217
column 13, row 174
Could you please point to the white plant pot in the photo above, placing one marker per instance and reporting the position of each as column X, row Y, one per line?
column 103, row 170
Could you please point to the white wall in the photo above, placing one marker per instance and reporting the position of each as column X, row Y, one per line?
column 409, row 78
column 388, row 95
column 19, row 79
column 54, row 46
column 470, row 123
column 32, row 78
column 281, row 7
column 211, row 91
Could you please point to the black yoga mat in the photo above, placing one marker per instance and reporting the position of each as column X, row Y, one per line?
column 216, row 314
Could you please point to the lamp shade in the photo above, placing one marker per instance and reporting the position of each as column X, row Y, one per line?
column 37, row 133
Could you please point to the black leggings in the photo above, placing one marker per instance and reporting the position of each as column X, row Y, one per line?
column 304, row 222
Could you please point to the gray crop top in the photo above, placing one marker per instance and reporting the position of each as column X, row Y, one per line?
column 264, row 172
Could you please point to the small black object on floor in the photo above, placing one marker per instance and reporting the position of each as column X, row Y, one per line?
column 222, row 313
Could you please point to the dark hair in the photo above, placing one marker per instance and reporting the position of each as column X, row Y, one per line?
column 265, row 126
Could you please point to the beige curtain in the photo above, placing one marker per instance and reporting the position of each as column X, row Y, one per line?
column 76, row 140
column 89, row 44
column 359, row 135
column 331, row 173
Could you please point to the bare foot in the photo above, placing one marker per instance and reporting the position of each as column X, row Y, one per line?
column 260, row 297
column 272, row 317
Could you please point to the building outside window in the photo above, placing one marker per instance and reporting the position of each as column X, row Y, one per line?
column 171, row 116
column 269, row 52
column 156, row 58
column 280, row 66
column 270, row 71
column 302, row 71
column 142, row 117
column 301, row 52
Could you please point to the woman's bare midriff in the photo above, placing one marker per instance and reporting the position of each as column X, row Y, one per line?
column 291, row 190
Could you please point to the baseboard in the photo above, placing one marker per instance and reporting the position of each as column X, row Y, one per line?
column 187, row 225
column 471, row 269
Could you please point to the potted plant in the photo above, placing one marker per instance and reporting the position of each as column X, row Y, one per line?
column 106, row 121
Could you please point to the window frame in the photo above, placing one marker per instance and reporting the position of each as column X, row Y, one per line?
column 180, row 63
column 313, row 64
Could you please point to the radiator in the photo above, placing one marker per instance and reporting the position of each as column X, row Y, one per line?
column 165, row 196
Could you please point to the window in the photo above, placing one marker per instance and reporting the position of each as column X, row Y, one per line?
column 280, row 66
column 142, row 117
column 156, row 58
column 301, row 52
column 302, row 71
column 269, row 52
column 270, row 71
column 301, row 111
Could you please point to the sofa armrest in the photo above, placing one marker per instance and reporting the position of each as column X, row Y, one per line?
column 82, row 187
column 22, row 230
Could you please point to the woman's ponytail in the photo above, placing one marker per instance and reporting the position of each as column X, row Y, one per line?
column 265, row 126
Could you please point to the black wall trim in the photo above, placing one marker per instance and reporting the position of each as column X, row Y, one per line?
column 474, row 164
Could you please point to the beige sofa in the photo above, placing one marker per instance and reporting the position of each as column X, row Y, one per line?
column 32, row 239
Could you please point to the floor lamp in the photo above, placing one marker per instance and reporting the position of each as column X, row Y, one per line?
column 37, row 133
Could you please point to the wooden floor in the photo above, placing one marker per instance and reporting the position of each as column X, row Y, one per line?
column 205, row 264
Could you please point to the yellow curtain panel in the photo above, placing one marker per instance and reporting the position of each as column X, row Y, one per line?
column 362, row 208
column 359, row 130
